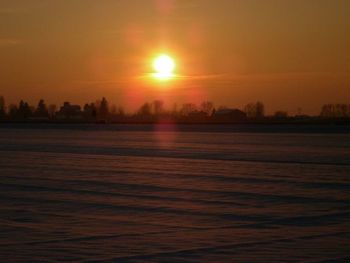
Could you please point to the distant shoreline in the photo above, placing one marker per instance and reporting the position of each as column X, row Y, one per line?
column 265, row 121
column 313, row 128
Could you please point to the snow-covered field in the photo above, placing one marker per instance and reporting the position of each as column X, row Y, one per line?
column 165, row 195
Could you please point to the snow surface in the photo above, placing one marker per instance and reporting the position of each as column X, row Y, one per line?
column 166, row 195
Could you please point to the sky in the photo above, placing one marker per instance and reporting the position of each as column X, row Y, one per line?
column 293, row 55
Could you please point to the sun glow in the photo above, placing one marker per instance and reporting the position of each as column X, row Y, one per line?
column 164, row 67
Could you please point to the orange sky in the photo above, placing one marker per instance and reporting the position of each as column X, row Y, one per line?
column 288, row 54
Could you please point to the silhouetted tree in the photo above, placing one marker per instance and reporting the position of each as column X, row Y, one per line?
column 103, row 109
column 335, row 111
column 158, row 107
column 113, row 109
column 52, row 110
column 2, row 108
column 24, row 111
column 187, row 108
column 255, row 110
column 120, row 111
column 12, row 111
column 260, row 110
column 145, row 110
column 2, row 103
column 41, row 111
column 249, row 109
column 207, row 107
column 174, row 110
column 90, row 112
column 342, row 110
column 327, row 111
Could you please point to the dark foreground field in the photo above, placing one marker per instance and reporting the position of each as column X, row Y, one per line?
column 174, row 194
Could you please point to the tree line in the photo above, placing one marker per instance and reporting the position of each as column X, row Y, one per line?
column 102, row 111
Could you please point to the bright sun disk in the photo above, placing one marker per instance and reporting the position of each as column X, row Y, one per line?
column 164, row 67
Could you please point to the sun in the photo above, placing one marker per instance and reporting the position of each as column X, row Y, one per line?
column 164, row 67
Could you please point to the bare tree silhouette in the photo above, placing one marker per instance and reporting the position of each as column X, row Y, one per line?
column 2, row 108
column 255, row 110
column 41, row 110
